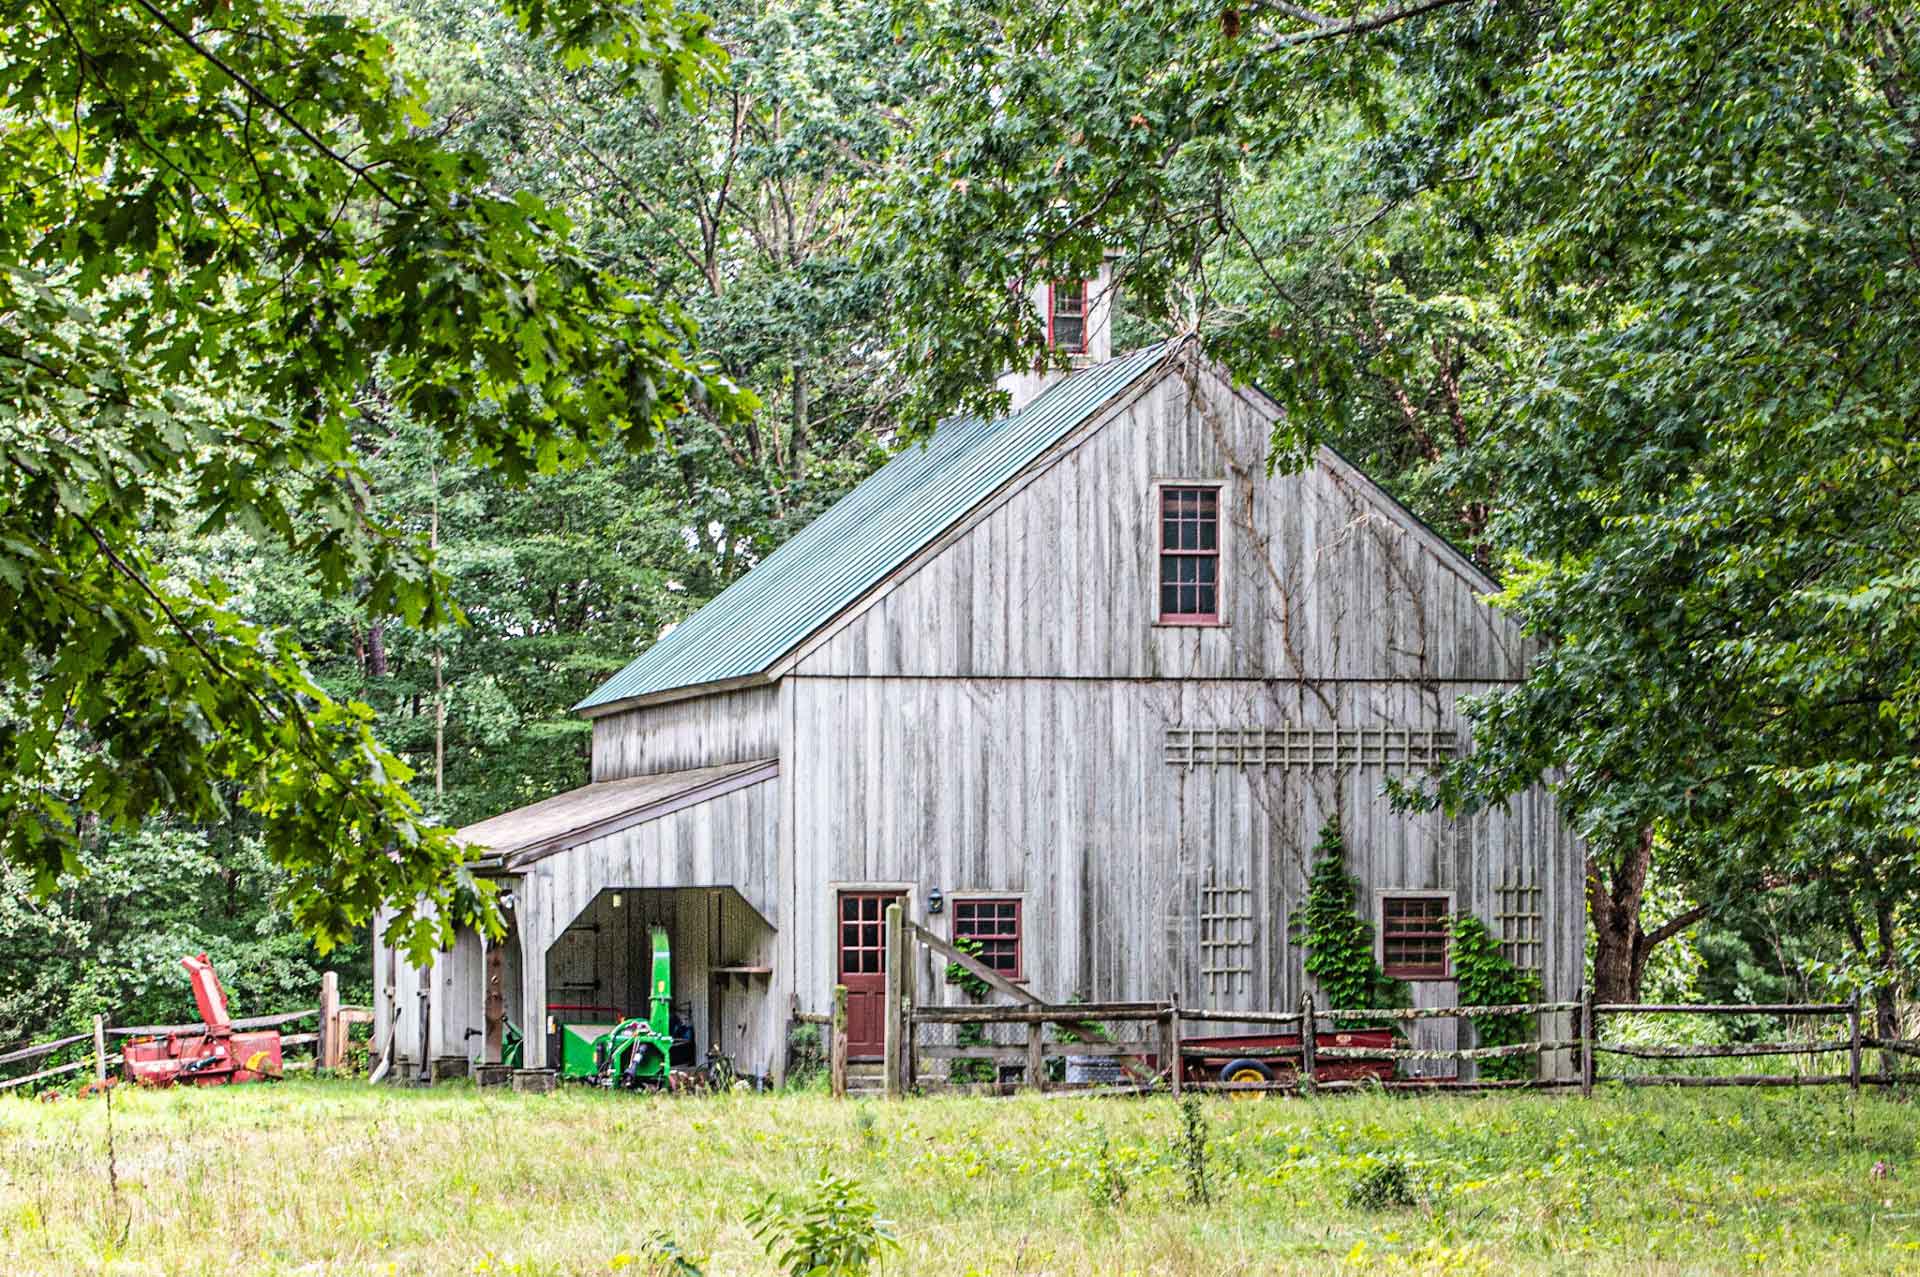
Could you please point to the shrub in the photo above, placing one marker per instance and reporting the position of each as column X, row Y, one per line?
column 1381, row 1186
column 1190, row 1149
column 836, row 1233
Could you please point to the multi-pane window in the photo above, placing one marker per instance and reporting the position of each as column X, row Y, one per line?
column 863, row 934
column 1413, row 937
column 1067, row 316
column 1190, row 555
column 995, row 924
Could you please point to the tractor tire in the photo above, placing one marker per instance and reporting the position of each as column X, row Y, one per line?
column 1245, row 1071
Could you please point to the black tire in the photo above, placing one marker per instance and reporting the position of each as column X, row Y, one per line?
column 1245, row 1071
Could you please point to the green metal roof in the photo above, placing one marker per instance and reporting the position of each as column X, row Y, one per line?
column 865, row 535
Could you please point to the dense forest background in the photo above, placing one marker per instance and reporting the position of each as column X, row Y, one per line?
column 1616, row 295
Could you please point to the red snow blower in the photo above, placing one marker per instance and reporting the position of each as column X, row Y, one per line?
column 210, row 1056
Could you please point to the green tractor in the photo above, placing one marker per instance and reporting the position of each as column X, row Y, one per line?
column 635, row 1052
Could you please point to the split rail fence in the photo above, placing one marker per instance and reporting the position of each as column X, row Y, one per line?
column 328, row 1041
column 1144, row 1039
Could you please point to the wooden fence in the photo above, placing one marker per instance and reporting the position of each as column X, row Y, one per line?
column 328, row 1041
column 1565, row 1045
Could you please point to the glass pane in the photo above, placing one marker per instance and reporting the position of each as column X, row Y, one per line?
column 1169, row 600
column 1207, row 568
column 1206, row 603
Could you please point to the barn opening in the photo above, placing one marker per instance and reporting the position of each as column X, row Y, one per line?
column 598, row 967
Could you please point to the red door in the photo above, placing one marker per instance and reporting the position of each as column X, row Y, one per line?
column 863, row 969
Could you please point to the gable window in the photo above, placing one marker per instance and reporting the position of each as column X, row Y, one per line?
column 1067, row 316
column 1190, row 555
column 995, row 924
column 1413, row 937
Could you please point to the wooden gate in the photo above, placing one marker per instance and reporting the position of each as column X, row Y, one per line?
column 863, row 969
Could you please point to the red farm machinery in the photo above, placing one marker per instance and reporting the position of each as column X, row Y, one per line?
column 212, row 1055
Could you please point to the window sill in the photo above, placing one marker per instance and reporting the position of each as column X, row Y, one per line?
column 1190, row 625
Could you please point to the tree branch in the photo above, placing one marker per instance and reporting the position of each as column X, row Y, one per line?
column 1360, row 24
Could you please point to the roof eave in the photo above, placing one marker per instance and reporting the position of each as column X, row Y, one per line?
column 666, row 695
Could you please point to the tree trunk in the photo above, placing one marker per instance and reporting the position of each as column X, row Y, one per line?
column 377, row 650
column 1621, row 945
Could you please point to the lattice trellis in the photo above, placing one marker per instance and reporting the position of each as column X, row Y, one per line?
column 1308, row 747
column 1226, row 941
column 1519, row 914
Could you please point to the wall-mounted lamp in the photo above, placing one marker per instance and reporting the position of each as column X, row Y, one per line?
column 616, row 900
column 935, row 901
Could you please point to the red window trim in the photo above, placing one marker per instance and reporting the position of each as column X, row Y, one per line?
column 1162, row 554
column 1018, row 935
column 1085, row 291
column 1435, row 930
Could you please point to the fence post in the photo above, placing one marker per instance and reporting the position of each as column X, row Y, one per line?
column 330, row 1050
column 891, row 1018
column 100, row 1048
column 1586, row 1044
column 1853, row 1049
column 837, row 1044
column 1308, row 1032
column 1172, row 1040
column 1037, row 1056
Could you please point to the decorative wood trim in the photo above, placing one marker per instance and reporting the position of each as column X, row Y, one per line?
column 1309, row 747
column 691, row 692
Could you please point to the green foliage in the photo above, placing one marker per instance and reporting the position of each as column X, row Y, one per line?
column 1190, row 1151
column 836, row 1233
column 203, row 282
column 1338, row 940
column 1382, row 1185
column 1486, row 978
column 661, row 1256
column 970, row 984
column 1107, row 1183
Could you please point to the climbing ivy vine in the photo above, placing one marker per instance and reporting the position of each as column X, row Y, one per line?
column 1487, row 978
column 1338, row 940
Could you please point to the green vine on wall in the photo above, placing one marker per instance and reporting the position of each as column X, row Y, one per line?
column 1338, row 940
column 1488, row 978
column 972, row 1068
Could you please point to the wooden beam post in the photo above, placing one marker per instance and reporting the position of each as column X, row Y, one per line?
column 1037, row 1056
column 1586, row 1044
column 100, row 1048
column 1853, row 1047
column 1176, row 1066
column 891, row 1020
column 331, row 1050
column 1308, row 1031
column 493, row 1038
column 837, row 1044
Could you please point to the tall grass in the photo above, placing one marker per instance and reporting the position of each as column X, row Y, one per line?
column 325, row 1177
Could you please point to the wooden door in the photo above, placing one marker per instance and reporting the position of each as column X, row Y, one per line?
column 863, row 969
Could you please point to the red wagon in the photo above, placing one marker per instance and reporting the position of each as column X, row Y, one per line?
column 1244, row 1058
column 210, row 1056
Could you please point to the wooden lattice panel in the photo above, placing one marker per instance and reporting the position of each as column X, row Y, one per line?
column 1519, row 911
column 1226, row 941
column 1332, row 747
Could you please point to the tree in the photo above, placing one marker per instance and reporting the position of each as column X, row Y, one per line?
column 227, row 225
column 1674, row 260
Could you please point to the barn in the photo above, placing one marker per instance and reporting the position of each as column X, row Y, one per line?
column 1083, row 682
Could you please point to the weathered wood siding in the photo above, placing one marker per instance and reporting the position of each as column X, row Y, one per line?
column 995, row 721
column 702, row 731
column 1058, row 790
column 1323, row 576
column 727, row 841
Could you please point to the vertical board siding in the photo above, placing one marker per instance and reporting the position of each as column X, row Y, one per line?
column 1323, row 576
column 1057, row 790
column 702, row 731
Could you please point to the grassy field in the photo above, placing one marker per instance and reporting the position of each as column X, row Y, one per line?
column 315, row 1176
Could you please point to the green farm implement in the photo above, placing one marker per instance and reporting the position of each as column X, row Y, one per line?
column 636, row 1052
